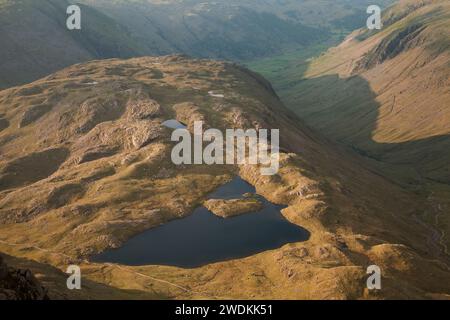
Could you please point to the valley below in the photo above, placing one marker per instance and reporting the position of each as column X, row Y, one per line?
column 383, row 96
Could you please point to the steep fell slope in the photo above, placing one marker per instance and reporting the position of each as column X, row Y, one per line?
column 387, row 94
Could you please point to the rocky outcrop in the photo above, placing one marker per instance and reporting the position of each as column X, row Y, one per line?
column 234, row 207
column 188, row 113
column 34, row 113
column 392, row 46
column 143, row 133
column 16, row 284
column 142, row 108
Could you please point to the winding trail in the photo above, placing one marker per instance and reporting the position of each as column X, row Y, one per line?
column 437, row 207
column 436, row 239
column 120, row 267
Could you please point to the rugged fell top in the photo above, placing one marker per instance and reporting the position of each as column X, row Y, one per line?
column 85, row 165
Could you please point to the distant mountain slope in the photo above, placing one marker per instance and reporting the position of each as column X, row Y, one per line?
column 35, row 41
column 232, row 30
column 349, row 14
column 386, row 93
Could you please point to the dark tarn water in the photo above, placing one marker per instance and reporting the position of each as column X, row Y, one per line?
column 204, row 238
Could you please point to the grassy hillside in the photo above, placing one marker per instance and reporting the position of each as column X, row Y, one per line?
column 85, row 158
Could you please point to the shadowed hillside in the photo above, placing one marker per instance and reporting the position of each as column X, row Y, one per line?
column 384, row 93
column 36, row 42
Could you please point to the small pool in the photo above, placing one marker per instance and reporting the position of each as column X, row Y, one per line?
column 203, row 238
column 174, row 124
